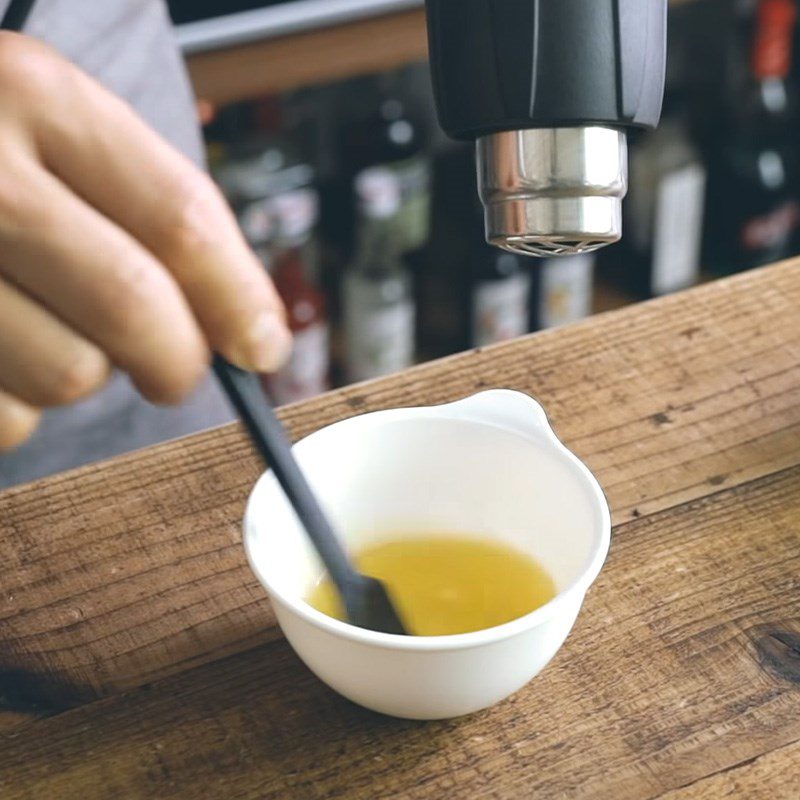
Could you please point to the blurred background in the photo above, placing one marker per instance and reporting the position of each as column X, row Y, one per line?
column 320, row 129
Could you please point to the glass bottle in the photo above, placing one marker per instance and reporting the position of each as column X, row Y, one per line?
column 663, row 224
column 562, row 290
column 378, row 303
column 499, row 295
column 753, row 208
column 381, row 129
column 305, row 374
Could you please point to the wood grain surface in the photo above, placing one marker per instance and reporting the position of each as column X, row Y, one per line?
column 675, row 670
column 775, row 775
column 127, row 571
column 126, row 581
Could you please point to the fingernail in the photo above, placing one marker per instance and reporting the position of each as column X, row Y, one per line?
column 267, row 345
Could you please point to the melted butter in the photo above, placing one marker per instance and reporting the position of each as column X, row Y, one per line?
column 447, row 584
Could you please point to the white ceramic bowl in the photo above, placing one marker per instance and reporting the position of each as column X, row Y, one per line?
column 488, row 465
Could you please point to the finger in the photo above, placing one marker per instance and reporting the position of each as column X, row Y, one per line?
column 42, row 361
column 102, row 150
column 18, row 421
column 98, row 280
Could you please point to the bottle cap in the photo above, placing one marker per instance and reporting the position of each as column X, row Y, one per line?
column 378, row 192
column 257, row 222
column 295, row 213
column 772, row 51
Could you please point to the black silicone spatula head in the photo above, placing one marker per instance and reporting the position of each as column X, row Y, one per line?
column 367, row 604
column 365, row 599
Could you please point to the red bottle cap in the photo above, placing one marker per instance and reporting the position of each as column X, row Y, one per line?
column 772, row 51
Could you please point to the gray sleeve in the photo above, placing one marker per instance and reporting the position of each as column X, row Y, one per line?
column 129, row 46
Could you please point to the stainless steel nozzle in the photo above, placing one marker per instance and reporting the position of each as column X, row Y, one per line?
column 553, row 191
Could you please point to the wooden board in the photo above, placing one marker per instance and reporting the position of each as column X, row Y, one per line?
column 684, row 662
column 311, row 58
column 125, row 572
column 775, row 775
column 126, row 581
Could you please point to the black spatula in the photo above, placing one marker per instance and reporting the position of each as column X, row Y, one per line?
column 365, row 599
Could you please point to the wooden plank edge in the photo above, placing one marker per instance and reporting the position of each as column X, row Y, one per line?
column 314, row 57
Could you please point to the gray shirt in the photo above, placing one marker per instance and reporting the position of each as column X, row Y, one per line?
column 128, row 46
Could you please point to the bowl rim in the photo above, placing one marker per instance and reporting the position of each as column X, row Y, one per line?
column 575, row 589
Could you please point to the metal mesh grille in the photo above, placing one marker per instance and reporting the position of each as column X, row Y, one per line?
column 544, row 246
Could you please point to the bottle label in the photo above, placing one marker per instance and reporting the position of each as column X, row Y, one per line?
column 289, row 216
column 305, row 374
column 257, row 221
column 500, row 309
column 414, row 176
column 296, row 213
column 773, row 230
column 378, row 192
column 565, row 293
column 380, row 341
column 678, row 229
column 414, row 211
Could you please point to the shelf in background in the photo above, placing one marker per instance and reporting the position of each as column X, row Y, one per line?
column 310, row 57
column 216, row 24
column 306, row 57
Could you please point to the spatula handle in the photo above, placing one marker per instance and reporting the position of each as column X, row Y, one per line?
column 266, row 431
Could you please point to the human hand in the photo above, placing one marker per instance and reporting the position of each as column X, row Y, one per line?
column 115, row 250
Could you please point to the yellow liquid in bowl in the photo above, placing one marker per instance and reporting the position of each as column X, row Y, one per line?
column 444, row 585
